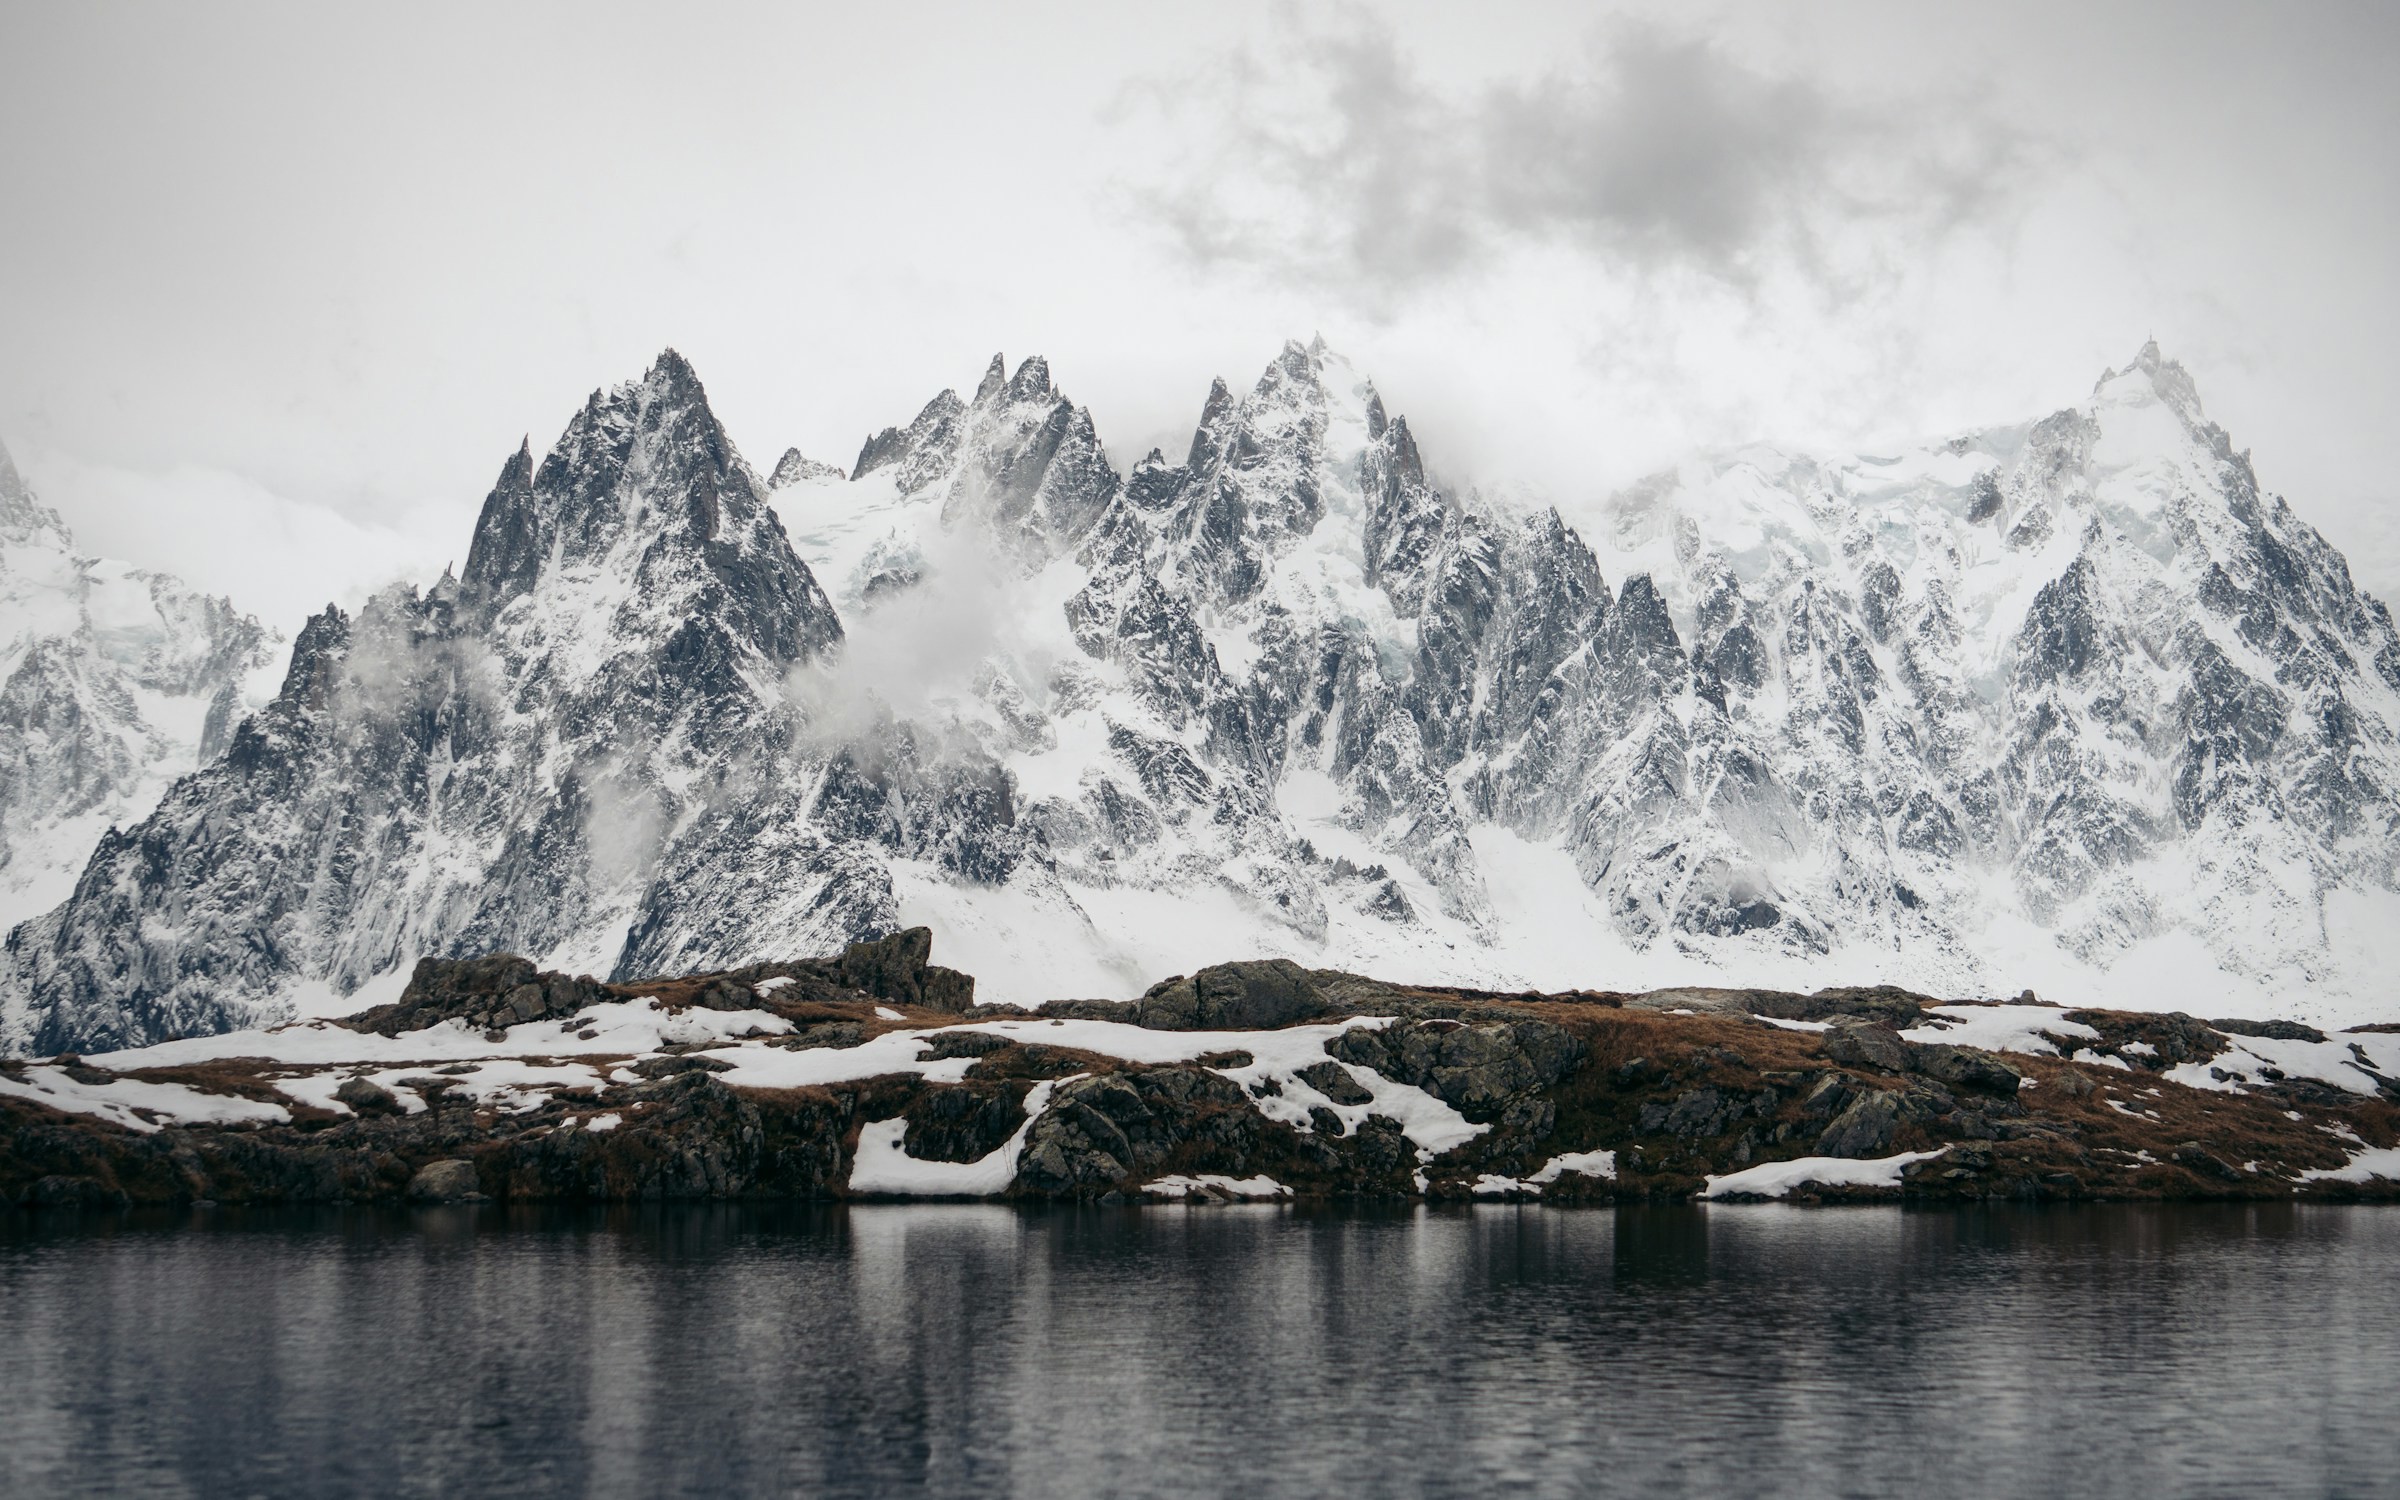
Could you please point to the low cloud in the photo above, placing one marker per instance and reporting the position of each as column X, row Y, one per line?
column 279, row 558
column 1337, row 166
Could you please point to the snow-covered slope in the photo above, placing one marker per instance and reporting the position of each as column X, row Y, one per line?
column 113, row 681
column 2070, row 705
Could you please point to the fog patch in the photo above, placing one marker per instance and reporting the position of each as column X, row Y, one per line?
column 947, row 664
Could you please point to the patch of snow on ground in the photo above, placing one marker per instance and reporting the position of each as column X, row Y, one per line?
column 1208, row 1185
column 618, row 1027
column 2251, row 1060
column 2034, row 1030
column 132, row 1102
column 1776, row 1178
column 883, row 1165
column 2372, row 1162
column 1585, row 1163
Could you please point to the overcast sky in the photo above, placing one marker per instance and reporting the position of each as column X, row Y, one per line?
column 281, row 287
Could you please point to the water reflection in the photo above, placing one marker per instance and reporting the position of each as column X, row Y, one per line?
column 1265, row 1351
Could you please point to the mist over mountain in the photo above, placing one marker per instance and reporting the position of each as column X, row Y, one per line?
column 2071, row 704
column 113, row 681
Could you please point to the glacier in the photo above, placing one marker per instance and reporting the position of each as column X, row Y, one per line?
column 2071, row 705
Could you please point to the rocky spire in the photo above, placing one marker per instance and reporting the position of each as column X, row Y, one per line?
column 995, row 377
column 19, row 510
column 502, row 560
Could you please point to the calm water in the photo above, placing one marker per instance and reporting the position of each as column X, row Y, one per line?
column 1249, row 1351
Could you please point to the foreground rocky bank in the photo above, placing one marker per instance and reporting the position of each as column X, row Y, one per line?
column 872, row 1074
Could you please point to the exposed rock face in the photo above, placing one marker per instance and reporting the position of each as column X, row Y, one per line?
column 1474, row 1066
column 1865, row 1128
column 2050, row 672
column 113, row 681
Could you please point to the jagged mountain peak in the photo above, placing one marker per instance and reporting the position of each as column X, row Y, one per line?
column 21, row 513
column 2152, row 375
column 1032, row 381
column 796, row 467
column 642, row 488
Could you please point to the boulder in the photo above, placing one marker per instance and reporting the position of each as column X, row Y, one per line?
column 1256, row 995
column 2194, row 1157
column 1864, row 1129
column 1099, row 1130
column 1888, row 1004
column 665, row 1067
column 367, row 1097
column 2279, row 1031
column 1865, row 1044
column 444, row 1181
column 1965, row 1068
column 1336, row 1082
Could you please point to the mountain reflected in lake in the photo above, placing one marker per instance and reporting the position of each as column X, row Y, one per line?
column 1260, row 1351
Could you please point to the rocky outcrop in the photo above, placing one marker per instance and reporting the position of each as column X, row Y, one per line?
column 1474, row 1066
column 1262, row 993
column 496, row 991
column 1292, row 1084
column 500, row 990
column 796, row 467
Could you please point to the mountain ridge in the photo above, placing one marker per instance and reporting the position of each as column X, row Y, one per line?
column 2002, row 710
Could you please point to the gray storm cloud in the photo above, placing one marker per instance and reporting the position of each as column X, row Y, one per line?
column 1339, row 164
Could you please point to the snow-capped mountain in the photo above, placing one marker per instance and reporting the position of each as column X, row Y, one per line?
column 113, row 681
column 2073, row 695
column 2071, row 704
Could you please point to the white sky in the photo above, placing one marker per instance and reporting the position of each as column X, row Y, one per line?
column 280, row 288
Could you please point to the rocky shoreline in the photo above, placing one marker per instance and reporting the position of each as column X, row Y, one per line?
column 873, row 1075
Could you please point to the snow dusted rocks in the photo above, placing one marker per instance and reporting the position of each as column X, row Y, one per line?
column 2071, row 704
column 790, row 1080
